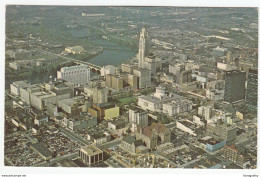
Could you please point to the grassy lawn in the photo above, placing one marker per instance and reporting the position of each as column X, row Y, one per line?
column 127, row 100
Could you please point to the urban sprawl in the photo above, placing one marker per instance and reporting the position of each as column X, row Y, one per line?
column 186, row 98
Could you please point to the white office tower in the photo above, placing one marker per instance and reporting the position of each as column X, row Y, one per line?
column 143, row 49
column 75, row 74
column 137, row 118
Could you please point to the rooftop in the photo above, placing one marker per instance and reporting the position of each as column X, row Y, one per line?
column 91, row 150
column 21, row 83
column 40, row 148
column 148, row 131
column 132, row 139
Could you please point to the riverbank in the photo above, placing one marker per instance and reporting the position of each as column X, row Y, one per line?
column 34, row 75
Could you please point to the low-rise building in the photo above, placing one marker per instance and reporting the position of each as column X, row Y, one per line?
column 42, row 150
column 215, row 94
column 205, row 111
column 130, row 143
column 98, row 138
column 177, row 106
column 199, row 121
column 39, row 95
column 73, row 105
column 122, row 82
column 75, row 50
column 108, row 69
column 168, row 149
column 116, row 124
column 104, row 111
column 91, row 155
column 155, row 101
column 219, row 52
column 155, row 134
column 111, row 113
column 233, row 154
column 222, row 132
column 40, row 120
column 187, row 126
column 15, row 87
column 81, row 121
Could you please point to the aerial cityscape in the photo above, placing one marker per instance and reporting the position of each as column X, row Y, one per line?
column 131, row 87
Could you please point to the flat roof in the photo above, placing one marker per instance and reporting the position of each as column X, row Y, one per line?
column 91, row 150
column 74, row 67
column 21, row 83
column 40, row 148
column 153, row 99
column 186, row 123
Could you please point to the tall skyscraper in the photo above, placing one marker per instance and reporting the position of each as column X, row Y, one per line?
column 146, row 65
column 251, row 92
column 143, row 47
column 234, row 86
column 75, row 74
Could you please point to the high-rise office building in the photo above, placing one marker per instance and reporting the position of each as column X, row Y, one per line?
column 144, row 78
column 138, row 117
column 100, row 95
column 146, row 60
column 143, row 50
column 75, row 74
column 251, row 92
column 234, row 86
column 146, row 63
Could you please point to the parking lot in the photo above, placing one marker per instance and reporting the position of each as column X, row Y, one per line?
column 19, row 153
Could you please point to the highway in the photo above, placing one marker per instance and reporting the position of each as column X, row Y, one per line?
column 59, row 158
column 33, row 140
column 73, row 136
column 110, row 144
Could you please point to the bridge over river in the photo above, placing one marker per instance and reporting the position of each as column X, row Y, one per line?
column 93, row 67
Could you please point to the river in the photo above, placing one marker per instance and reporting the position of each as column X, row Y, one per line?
column 111, row 57
column 107, row 57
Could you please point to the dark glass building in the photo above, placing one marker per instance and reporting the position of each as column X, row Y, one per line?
column 234, row 86
column 251, row 92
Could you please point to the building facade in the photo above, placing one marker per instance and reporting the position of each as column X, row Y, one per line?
column 234, row 86
column 137, row 118
column 100, row 95
column 144, row 78
column 143, row 47
column 155, row 134
column 75, row 74
column 231, row 153
column 91, row 155
column 177, row 106
column 251, row 92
